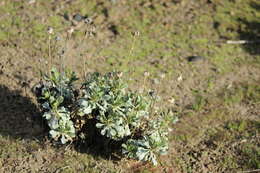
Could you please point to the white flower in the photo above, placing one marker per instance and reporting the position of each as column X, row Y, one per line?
column 179, row 79
column 50, row 30
column 71, row 30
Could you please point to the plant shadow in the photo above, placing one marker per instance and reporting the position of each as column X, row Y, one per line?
column 250, row 31
column 19, row 119
column 98, row 145
column 19, row 116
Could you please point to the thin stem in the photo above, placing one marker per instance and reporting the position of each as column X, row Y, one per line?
column 84, row 59
column 132, row 46
column 49, row 48
column 135, row 34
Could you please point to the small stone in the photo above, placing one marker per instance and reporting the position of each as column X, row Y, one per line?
column 162, row 75
column 146, row 74
column 179, row 79
column 57, row 38
column 113, row 1
column 195, row 58
column 88, row 20
column 66, row 16
column 71, row 30
column 172, row 100
column 32, row 1
column 152, row 93
column 229, row 86
column 156, row 81
column 78, row 17
column 50, row 30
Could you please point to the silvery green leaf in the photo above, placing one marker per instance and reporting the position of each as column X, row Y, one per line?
column 102, row 107
column 72, row 132
column 57, row 102
column 52, row 99
column 99, row 125
column 127, row 131
column 155, row 136
column 124, row 149
column 119, row 121
column 46, row 105
column 141, row 153
column 53, row 122
column 63, row 139
column 120, row 131
column 54, row 134
column 63, row 113
column 60, row 99
column 141, row 156
column 112, row 132
column 47, row 115
column 107, row 97
column 81, row 113
column 154, row 161
column 142, row 150
column 83, row 102
column 119, row 128
column 103, row 131
column 142, row 113
column 87, row 110
column 143, row 143
column 163, row 151
column 175, row 120
column 46, row 94
column 135, row 124
column 101, row 118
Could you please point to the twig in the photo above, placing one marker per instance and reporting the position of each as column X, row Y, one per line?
column 241, row 41
column 49, row 53
column 133, row 43
column 84, row 58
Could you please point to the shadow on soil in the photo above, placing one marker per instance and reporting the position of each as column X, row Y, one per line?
column 18, row 116
column 18, row 120
column 99, row 146
column 251, row 32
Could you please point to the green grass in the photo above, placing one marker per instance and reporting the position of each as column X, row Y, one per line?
column 243, row 92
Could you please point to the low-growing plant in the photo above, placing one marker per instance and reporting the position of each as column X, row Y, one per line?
column 56, row 94
column 103, row 106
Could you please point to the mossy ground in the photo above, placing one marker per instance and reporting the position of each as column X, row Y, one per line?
column 216, row 98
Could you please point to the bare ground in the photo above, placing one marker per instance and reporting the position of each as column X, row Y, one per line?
column 216, row 98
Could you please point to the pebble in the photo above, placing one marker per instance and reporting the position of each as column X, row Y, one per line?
column 78, row 17
column 179, row 79
column 156, row 81
column 195, row 58
column 66, row 16
column 32, row 1
column 88, row 20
